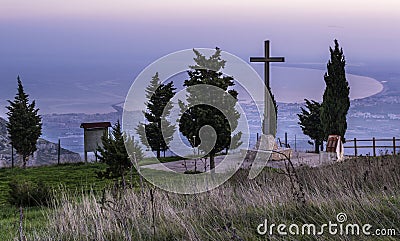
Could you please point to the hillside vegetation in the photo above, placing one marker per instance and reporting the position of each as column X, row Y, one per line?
column 365, row 189
column 68, row 177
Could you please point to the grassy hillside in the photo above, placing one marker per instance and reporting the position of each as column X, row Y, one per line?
column 70, row 177
column 367, row 190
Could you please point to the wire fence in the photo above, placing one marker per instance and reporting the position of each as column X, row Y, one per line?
column 298, row 143
column 352, row 147
column 48, row 153
column 66, row 151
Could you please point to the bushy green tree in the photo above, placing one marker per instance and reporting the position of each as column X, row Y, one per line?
column 24, row 124
column 158, row 132
column 114, row 154
column 208, row 71
column 336, row 101
column 310, row 122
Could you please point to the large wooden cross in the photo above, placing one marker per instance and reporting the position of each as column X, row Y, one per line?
column 267, row 60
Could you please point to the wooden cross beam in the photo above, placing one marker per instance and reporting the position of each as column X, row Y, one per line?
column 267, row 60
column 268, row 124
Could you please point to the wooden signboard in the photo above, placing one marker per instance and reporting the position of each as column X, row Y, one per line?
column 92, row 133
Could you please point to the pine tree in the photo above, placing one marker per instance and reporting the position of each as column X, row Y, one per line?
column 208, row 71
column 336, row 101
column 24, row 124
column 158, row 132
column 114, row 154
column 310, row 123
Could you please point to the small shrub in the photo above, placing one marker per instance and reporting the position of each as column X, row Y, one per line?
column 28, row 194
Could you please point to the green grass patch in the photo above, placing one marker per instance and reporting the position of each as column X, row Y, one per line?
column 79, row 176
column 34, row 219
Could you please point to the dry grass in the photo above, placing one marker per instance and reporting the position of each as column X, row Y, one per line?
column 367, row 190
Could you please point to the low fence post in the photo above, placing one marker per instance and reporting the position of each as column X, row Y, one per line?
column 355, row 146
column 373, row 146
column 394, row 145
column 286, row 144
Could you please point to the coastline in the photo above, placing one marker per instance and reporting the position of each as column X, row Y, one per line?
column 289, row 85
column 311, row 85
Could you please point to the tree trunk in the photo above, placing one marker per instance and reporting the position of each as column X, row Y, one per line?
column 24, row 161
column 212, row 163
column 160, row 138
column 316, row 146
column 123, row 182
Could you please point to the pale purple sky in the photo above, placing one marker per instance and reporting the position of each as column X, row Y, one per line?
column 79, row 42
column 300, row 30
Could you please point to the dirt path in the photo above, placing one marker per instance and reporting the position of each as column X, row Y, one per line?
column 232, row 161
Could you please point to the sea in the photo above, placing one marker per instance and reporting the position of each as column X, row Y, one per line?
column 374, row 111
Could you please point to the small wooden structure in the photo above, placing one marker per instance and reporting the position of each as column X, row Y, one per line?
column 335, row 145
column 92, row 133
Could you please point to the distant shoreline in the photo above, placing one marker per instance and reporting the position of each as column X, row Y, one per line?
column 312, row 85
column 289, row 85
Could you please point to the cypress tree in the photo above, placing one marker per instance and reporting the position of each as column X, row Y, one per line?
column 158, row 132
column 310, row 123
column 336, row 101
column 24, row 124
